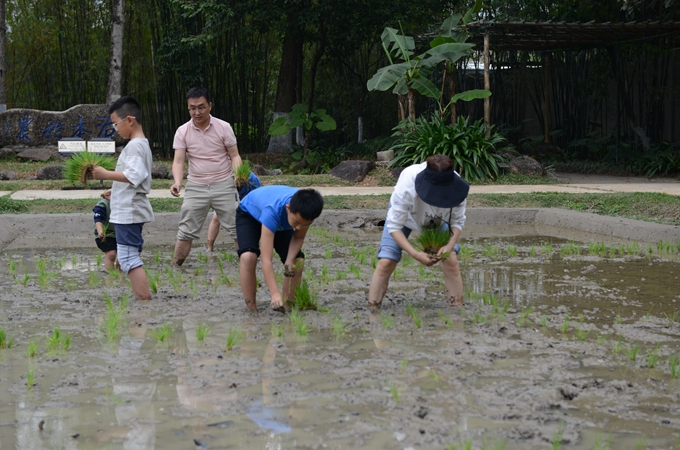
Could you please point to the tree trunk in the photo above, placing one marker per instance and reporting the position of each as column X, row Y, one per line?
column 115, row 82
column 411, row 103
column 288, row 86
column 3, row 55
column 452, row 91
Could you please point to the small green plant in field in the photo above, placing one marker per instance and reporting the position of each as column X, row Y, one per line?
column 355, row 270
column 201, row 257
column 581, row 334
column 162, row 333
column 524, row 316
column 93, row 280
column 565, row 323
column 32, row 350
column 648, row 314
column 154, row 281
column 54, row 340
column 340, row 275
column 601, row 339
column 24, row 280
column 224, row 279
column 100, row 256
column 532, row 251
column 402, row 366
column 397, row 274
column 479, row 317
column 299, row 322
column 4, row 341
column 632, row 351
column 652, row 356
column 276, row 330
column 618, row 318
column 618, row 346
column 339, row 327
column 416, row 319
column 410, row 309
column 74, row 260
column 176, row 281
column 467, row 445
column 547, row 249
column 328, row 253
column 490, row 251
column 12, row 265
column 603, row 445
column 435, row 376
column 570, row 249
column 202, row 331
column 234, row 338
column 671, row 317
column 30, row 378
column 113, row 319
column 557, row 438
column 304, row 298
column 465, row 253
column 544, row 322
column 674, row 366
column 374, row 260
column 512, row 251
column 394, row 391
column 386, row 320
column 446, row 319
column 641, row 444
column 157, row 258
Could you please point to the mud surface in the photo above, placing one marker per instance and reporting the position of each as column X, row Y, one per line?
column 543, row 351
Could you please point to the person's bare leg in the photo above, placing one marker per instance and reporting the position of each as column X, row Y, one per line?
column 380, row 281
column 140, row 284
column 110, row 260
column 182, row 250
column 213, row 231
column 453, row 281
column 291, row 283
column 248, row 279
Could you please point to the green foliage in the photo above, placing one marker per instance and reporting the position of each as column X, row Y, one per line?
column 299, row 323
column 632, row 351
column 162, row 333
column 430, row 240
column 79, row 166
column 234, row 338
column 304, row 298
column 4, row 341
column 339, row 327
column 9, row 206
column 473, row 154
column 202, row 331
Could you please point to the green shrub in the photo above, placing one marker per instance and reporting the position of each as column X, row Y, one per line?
column 473, row 154
column 9, row 206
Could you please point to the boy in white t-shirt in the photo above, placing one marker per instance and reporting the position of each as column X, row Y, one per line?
column 130, row 207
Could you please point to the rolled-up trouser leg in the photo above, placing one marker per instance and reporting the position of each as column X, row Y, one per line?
column 128, row 257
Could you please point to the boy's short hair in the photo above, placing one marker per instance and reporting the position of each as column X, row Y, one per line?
column 198, row 92
column 306, row 202
column 127, row 106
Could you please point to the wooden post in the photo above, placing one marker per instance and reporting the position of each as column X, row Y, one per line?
column 487, row 86
column 546, row 99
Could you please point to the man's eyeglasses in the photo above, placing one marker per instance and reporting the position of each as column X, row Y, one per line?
column 115, row 125
column 200, row 110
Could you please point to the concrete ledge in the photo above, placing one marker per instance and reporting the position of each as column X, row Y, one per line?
column 75, row 230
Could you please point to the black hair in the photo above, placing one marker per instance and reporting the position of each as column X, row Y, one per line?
column 308, row 203
column 198, row 92
column 439, row 163
column 127, row 106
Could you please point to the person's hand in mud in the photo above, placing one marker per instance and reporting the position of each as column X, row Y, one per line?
column 277, row 302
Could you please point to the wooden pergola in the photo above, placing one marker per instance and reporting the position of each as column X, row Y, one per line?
column 550, row 36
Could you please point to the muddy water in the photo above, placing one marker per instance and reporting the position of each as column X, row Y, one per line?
column 538, row 354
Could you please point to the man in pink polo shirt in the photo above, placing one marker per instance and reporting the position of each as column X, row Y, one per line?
column 210, row 145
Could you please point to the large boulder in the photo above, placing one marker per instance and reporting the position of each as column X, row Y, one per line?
column 50, row 173
column 7, row 175
column 526, row 165
column 7, row 153
column 39, row 153
column 396, row 172
column 353, row 171
column 259, row 170
column 159, row 171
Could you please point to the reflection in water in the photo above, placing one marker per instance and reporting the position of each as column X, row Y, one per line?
column 267, row 418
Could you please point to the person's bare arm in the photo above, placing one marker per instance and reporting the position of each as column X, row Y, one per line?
column 177, row 171
column 100, row 173
column 235, row 157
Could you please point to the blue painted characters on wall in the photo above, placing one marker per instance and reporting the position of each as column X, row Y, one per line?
column 79, row 128
column 24, row 123
column 105, row 129
column 52, row 130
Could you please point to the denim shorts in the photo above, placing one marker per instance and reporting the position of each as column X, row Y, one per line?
column 130, row 234
column 389, row 249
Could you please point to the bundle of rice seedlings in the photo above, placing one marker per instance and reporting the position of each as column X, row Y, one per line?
column 242, row 173
column 431, row 239
column 79, row 167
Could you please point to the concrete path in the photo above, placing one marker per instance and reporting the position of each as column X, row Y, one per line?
column 570, row 183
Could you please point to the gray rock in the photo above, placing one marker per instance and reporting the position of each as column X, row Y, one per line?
column 397, row 171
column 387, row 155
column 159, row 171
column 6, row 152
column 36, row 128
column 275, row 172
column 525, row 165
column 354, row 171
column 7, row 175
column 259, row 170
column 39, row 153
column 50, row 173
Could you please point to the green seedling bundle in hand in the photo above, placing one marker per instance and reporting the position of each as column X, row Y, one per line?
column 432, row 239
column 242, row 173
column 79, row 167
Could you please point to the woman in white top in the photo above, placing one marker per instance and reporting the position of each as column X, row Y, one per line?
column 426, row 194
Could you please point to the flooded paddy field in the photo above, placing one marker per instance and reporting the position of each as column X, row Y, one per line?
column 566, row 340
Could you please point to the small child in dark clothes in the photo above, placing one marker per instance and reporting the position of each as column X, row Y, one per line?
column 105, row 233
